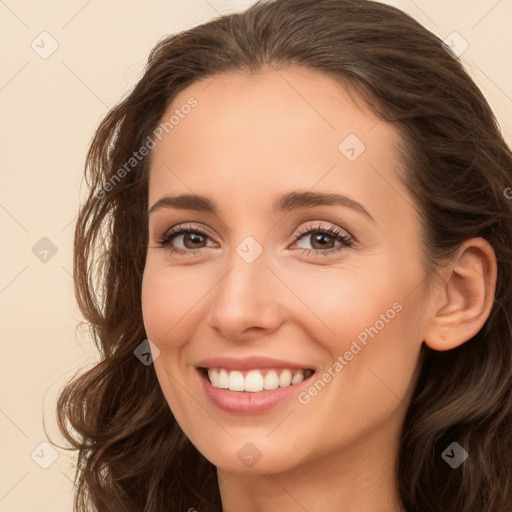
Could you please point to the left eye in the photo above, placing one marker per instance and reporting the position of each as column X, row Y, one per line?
column 322, row 239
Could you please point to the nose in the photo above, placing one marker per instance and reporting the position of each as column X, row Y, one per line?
column 247, row 301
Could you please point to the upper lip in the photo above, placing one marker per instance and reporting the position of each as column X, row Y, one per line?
column 249, row 363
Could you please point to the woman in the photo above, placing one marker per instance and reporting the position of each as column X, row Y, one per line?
column 300, row 216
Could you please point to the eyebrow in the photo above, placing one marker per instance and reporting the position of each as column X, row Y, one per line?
column 284, row 203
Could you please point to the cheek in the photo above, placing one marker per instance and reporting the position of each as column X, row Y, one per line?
column 161, row 304
column 371, row 319
column 336, row 304
column 368, row 302
column 171, row 302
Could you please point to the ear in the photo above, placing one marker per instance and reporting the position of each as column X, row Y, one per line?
column 463, row 301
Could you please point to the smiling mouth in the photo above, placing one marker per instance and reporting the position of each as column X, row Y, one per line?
column 255, row 380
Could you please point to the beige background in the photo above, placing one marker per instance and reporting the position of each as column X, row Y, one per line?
column 50, row 108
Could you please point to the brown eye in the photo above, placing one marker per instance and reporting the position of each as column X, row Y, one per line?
column 323, row 240
column 192, row 240
column 185, row 239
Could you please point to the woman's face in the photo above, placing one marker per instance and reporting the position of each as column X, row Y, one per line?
column 301, row 256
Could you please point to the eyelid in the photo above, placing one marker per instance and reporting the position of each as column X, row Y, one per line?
column 188, row 226
column 318, row 226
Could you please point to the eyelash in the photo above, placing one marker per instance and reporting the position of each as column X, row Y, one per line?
column 340, row 236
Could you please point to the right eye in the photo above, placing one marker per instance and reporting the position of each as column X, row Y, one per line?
column 189, row 236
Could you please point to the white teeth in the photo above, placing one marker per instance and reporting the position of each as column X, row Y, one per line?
column 297, row 377
column 223, row 381
column 254, row 381
column 285, row 379
column 236, row 381
column 213, row 375
column 271, row 380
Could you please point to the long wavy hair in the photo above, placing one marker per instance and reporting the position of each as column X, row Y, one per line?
column 132, row 455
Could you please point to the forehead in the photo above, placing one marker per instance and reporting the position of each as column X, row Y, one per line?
column 278, row 129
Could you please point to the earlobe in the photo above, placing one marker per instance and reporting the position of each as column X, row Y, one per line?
column 463, row 301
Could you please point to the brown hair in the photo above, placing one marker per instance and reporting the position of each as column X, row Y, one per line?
column 132, row 455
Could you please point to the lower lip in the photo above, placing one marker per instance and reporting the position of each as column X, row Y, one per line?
column 244, row 402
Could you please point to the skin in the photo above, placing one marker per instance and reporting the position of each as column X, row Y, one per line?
column 249, row 139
